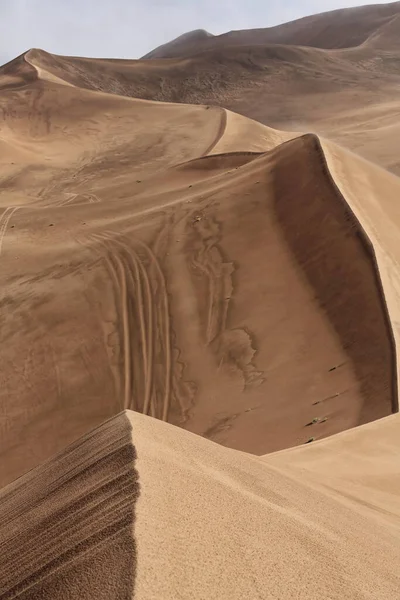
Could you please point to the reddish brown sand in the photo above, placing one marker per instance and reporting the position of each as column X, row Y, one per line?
column 237, row 280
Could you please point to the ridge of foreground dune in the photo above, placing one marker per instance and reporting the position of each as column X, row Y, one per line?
column 140, row 509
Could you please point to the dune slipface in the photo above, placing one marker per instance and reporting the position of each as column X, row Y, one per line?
column 67, row 527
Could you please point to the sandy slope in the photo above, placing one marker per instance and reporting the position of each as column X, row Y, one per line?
column 207, row 521
column 190, row 264
column 335, row 74
column 343, row 28
column 66, row 527
column 239, row 281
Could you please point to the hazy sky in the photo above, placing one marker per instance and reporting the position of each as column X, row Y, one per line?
column 130, row 28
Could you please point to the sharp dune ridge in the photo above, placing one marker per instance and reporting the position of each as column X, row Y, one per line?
column 180, row 257
column 303, row 523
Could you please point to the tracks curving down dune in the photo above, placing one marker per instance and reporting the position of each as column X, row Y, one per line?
column 145, row 333
column 4, row 221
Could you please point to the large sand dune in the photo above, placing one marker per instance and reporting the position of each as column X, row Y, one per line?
column 334, row 74
column 106, row 194
column 171, row 266
column 207, row 521
column 190, row 264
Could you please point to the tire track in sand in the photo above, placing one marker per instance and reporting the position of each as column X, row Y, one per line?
column 4, row 221
column 164, row 320
column 220, row 132
column 138, row 278
column 116, row 264
column 167, row 329
column 138, row 289
column 148, row 362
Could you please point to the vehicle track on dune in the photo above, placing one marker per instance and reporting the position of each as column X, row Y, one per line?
column 4, row 221
column 143, row 309
column 88, row 198
column 135, row 277
column 118, row 273
column 220, row 132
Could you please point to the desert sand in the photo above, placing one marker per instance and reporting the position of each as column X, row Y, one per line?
column 195, row 283
column 141, row 509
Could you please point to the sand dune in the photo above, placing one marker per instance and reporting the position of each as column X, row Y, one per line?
column 318, row 522
column 178, row 268
column 181, row 261
column 334, row 74
column 346, row 28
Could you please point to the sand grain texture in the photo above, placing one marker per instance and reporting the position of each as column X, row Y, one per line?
column 66, row 527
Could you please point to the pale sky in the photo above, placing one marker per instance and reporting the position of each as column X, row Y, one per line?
column 131, row 28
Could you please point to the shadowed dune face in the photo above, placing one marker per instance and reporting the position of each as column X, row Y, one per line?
column 67, row 527
column 337, row 260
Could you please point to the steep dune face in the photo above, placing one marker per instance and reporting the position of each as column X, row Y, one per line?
column 66, row 527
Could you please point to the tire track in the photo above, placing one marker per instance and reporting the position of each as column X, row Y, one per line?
column 167, row 325
column 141, row 282
column 146, row 339
column 220, row 132
column 122, row 278
column 164, row 325
column 4, row 221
